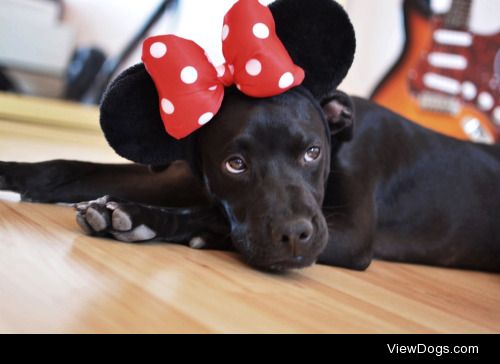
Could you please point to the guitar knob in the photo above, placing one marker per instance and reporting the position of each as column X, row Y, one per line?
column 496, row 115
column 485, row 101
column 469, row 90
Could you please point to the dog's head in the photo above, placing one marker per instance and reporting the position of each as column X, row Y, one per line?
column 265, row 160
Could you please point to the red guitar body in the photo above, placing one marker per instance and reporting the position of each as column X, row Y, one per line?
column 446, row 79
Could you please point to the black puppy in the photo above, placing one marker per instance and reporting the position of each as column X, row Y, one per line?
column 286, row 180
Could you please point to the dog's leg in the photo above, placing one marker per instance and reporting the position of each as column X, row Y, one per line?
column 73, row 181
column 351, row 219
column 204, row 227
column 349, row 208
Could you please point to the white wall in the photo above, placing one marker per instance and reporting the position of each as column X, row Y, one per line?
column 111, row 23
column 378, row 25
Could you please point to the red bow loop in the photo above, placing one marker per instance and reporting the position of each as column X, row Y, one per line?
column 191, row 89
column 190, row 92
column 262, row 65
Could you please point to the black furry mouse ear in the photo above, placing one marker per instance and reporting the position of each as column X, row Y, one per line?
column 319, row 37
column 132, row 124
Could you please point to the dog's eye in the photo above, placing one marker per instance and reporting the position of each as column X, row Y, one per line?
column 236, row 165
column 312, row 154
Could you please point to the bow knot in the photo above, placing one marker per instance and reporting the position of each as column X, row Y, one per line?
column 225, row 73
column 191, row 89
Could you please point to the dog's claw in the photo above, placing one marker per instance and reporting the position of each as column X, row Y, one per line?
column 112, row 205
column 81, row 206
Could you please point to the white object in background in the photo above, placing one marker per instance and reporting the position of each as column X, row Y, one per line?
column 453, row 37
column 30, row 11
column 469, row 90
column 442, row 83
column 440, row 6
column 485, row 101
column 447, row 60
column 36, row 48
column 202, row 21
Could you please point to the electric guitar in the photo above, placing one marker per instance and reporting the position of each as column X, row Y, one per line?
column 447, row 78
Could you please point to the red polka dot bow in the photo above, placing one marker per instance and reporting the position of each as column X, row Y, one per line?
column 191, row 89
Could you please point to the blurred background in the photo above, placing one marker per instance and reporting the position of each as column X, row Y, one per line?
column 70, row 49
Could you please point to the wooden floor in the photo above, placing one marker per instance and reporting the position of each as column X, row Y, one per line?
column 55, row 279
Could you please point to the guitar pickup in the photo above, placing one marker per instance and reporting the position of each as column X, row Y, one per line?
column 431, row 101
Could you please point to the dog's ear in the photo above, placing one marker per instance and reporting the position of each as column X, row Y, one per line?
column 132, row 124
column 319, row 37
column 339, row 111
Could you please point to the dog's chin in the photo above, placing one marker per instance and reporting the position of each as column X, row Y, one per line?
column 263, row 260
column 281, row 266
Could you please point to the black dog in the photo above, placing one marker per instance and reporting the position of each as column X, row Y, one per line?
column 308, row 175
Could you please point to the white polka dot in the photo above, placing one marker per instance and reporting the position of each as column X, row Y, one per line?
column 253, row 67
column 220, row 70
column 260, row 30
column 212, row 88
column 205, row 118
column 225, row 32
column 238, row 86
column 264, row 2
column 189, row 75
column 167, row 106
column 286, row 80
column 158, row 49
column 231, row 69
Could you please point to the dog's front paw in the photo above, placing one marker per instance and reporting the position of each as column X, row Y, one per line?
column 109, row 216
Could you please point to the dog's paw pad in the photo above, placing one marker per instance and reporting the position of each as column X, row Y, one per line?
column 98, row 220
column 121, row 221
column 140, row 233
column 197, row 243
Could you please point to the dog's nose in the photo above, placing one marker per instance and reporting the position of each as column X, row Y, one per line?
column 296, row 232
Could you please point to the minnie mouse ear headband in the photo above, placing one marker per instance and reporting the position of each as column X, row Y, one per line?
column 264, row 57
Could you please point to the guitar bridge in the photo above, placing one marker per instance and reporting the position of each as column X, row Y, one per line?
column 431, row 101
